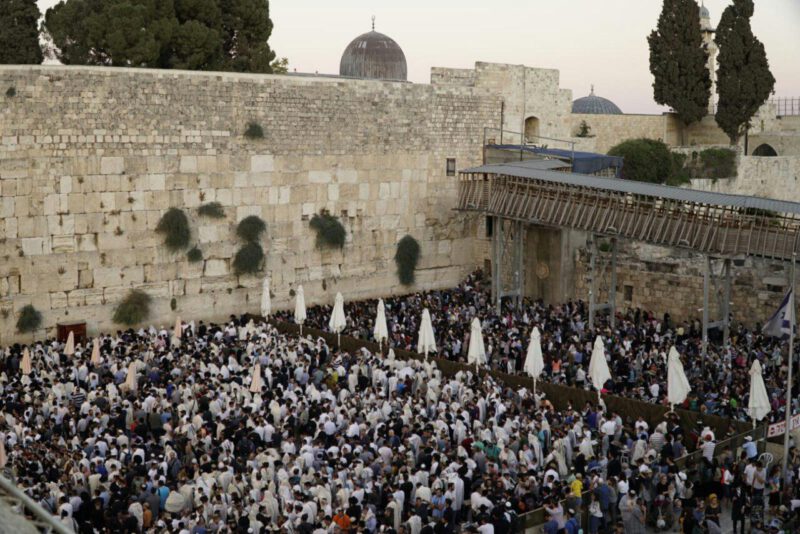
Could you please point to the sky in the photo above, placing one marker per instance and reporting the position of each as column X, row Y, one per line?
column 599, row 42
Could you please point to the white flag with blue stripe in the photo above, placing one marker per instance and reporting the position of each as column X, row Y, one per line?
column 782, row 321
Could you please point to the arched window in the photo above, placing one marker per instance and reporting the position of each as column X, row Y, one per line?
column 531, row 129
column 764, row 150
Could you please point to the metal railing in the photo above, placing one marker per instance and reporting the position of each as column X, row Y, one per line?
column 786, row 106
column 29, row 510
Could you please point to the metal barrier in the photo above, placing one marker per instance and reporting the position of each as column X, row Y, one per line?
column 33, row 513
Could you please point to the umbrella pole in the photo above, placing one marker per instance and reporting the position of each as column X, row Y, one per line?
column 534, row 391
column 339, row 339
column 301, row 329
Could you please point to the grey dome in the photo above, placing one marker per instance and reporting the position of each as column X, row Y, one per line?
column 704, row 14
column 595, row 105
column 374, row 56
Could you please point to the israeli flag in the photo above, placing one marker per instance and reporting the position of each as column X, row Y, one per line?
column 782, row 321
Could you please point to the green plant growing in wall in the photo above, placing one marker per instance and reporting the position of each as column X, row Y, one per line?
column 254, row 131
column 11, row 92
column 133, row 309
column 174, row 226
column 249, row 259
column 250, row 228
column 30, row 319
column 194, row 255
column 718, row 162
column 213, row 210
column 406, row 258
column 173, row 304
column 330, row 231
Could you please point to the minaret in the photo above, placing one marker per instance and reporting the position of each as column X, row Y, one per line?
column 711, row 51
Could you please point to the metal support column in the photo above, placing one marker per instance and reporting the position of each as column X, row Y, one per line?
column 706, row 283
column 726, row 303
column 592, row 280
column 612, row 290
column 519, row 267
column 496, row 270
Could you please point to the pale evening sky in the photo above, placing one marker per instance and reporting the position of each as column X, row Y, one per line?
column 600, row 42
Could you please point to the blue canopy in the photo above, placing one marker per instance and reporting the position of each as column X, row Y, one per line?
column 582, row 162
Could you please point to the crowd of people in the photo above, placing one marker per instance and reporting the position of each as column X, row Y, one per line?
column 238, row 428
column 636, row 348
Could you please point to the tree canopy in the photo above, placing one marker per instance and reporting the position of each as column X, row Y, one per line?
column 678, row 61
column 170, row 34
column 19, row 37
column 744, row 81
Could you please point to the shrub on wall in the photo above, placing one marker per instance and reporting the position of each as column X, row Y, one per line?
column 330, row 231
column 254, row 131
column 29, row 319
column 11, row 92
column 645, row 160
column 718, row 162
column 194, row 255
column 174, row 226
column 211, row 209
column 248, row 259
column 406, row 258
column 250, row 228
column 133, row 309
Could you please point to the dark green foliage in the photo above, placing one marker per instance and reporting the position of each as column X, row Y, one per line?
column 29, row 319
column 11, row 92
column 250, row 228
column 19, row 33
column 174, row 226
column 173, row 304
column 646, row 160
column 583, row 130
column 254, row 131
column 406, row 258
column 744, row 81
column 249, row 259
column 330, row 232
column 186, row 34
column 678, row 61
column 133, row 309
column 194, row 255
column 718, row 162
column 680, row 175
column 211, row 209
column 280, row 66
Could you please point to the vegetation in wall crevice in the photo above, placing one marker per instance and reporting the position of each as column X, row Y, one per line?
column 406, row 258
column 174, row 226
column 133, row 309
column 214, row 210
column 330, row 231
column 249, row 259
column 250, row 228
column 30, row 319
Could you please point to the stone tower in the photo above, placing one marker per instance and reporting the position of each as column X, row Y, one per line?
column 711, row 51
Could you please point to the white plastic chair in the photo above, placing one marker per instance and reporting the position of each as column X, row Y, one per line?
column 766, row 459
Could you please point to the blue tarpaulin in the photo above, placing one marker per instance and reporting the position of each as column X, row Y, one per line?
column 582, row 162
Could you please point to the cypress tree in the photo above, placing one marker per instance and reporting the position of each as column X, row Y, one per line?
column 744, row 81
column 678, row 61
column 19, row 32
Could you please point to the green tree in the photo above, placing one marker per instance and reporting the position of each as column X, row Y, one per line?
column 744, row 81
column 678, row 61
column 280, row 66
column 19, row 32
column 183, row 34
column 645, row 160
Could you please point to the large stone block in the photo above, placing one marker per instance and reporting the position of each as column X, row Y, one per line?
column 112, row 165
column 262, row 163
column 215, row 267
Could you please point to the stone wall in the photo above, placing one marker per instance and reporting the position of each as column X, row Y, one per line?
column 90, row 158
column 776, row 177
column 609, row 130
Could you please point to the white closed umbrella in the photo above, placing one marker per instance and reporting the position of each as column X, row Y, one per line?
column 3, row 458
column 69, row 348
column 130, row 378
column 338, row 321
column 678, row 387
column 427, row 341
column 758, row 405
column 266, row 303
column 256, row 383
column 477, row 350
column 381, row 331
column 25, row 364
column 300, row 308
column 598, row 366
column 534, row 362
column 95, row 352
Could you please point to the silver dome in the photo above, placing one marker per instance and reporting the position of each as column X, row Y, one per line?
column 375, row 56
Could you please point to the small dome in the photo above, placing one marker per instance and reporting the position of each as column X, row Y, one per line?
column 704, row 14
column 374, row 56
column 595, row 105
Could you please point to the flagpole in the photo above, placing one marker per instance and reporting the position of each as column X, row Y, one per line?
column 789, row 381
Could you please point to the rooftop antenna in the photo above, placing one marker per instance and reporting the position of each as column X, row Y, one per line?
column 592, row 89
column 373, row 22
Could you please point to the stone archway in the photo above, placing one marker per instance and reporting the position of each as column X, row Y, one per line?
column 764, row 150
column 531, row 129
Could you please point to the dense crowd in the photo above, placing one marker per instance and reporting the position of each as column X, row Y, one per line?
column 636, row 347
column 239, row 428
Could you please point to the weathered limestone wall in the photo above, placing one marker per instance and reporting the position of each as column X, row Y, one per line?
column 776, row 177
column 90, row 158
column 609, row 130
